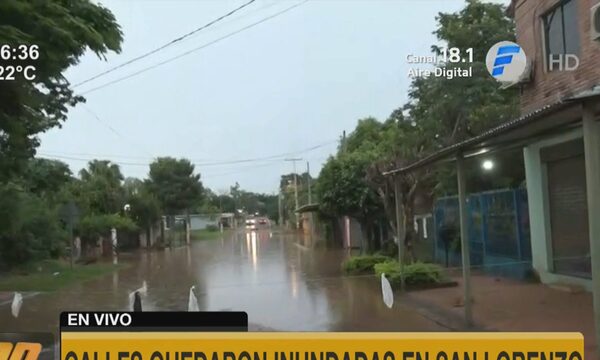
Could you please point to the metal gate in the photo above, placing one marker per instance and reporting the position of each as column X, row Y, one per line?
column 499, row 238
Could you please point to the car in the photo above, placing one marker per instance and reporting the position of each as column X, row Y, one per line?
column 263, row 221
column 251, row 224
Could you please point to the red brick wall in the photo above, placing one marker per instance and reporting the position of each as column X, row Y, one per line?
column 549, row 87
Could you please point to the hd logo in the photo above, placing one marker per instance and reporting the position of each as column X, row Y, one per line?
column 26, row 346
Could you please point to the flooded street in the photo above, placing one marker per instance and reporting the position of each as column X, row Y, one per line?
column 280, row 283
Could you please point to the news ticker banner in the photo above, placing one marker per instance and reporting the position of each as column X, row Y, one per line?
column 320, row 346
column 188, row 336
column 223, row 336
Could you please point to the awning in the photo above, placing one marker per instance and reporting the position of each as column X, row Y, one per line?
column 550, row 119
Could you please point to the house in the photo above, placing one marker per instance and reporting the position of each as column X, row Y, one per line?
column 559, row 134
column 559, row 166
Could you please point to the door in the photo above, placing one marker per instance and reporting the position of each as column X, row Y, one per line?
column 568, row 211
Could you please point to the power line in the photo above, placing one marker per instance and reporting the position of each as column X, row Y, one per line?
column 274, row 158
column 182, row 37
column 194, row 49
column 95, row 116
column 248, row 168
column 96, row 156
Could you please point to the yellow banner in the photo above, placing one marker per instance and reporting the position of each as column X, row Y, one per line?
column 320, row 346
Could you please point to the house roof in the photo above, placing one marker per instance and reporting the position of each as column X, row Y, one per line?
column 515, row 133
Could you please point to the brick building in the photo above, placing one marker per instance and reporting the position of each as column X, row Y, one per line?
column 552, row 27
column 564, row 50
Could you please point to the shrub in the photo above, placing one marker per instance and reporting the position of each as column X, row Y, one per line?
column 212, row 227
column 29, row 228
column 363, row 264
column 93, row 226
column 414, row 274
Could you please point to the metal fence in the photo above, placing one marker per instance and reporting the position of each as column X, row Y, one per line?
column 498, row 232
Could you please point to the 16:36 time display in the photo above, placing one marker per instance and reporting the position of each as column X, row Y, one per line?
column 19, row 52
column 13, row 55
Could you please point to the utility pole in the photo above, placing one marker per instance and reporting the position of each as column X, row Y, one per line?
column 399, row 229
column 311, row 214
column 280, row 220
column 308, row 182
column 293, row 160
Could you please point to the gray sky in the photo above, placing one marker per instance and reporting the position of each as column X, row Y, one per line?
column 290, row 84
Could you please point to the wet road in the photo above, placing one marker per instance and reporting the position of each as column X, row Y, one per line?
column 282, row 284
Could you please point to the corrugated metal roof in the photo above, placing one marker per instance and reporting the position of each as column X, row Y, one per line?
column 491, row 133
column 494, row 132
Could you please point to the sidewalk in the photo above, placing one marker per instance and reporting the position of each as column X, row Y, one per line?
column 502, row 304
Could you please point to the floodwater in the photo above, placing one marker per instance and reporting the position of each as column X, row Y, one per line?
column 282, row 284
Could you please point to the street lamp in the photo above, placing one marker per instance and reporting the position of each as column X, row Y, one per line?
column 487, row 165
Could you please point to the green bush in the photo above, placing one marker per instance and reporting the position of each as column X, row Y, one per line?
column 417, row 273
column 93, row 226
column 30, row 229
column 363, row 264
column 212, row 227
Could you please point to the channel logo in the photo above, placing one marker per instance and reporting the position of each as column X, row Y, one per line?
column 27, row 346
column 20, row 351
column 506, row 61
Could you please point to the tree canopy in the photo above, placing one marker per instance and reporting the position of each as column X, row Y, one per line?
column 63, row 31
column 175, row 184
column 439, row 112
column 31, row 189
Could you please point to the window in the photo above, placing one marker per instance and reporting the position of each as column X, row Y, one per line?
column 561, row 31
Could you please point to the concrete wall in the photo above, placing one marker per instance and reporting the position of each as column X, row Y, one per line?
column 200, row 222
column 539, row 216
column 549, row 87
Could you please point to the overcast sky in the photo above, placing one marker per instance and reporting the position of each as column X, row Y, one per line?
column 290, row 84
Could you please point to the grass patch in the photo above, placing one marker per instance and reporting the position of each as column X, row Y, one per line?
column 363, row 264
column 208, row 234
column 50, row 275
column 414, row 274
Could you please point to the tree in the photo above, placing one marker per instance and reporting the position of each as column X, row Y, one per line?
column 100, row 189
column 209, row 204
column 46, row 177
column 447, row 110
column 144, row 209
column 269, row 205
column 174, row 184
column 225, row 202
column 441, row 112
column 63, row 31
column 343, row 191
column 133, row 186
column 235, row 193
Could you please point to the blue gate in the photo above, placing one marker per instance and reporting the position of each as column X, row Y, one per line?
column 498, row 232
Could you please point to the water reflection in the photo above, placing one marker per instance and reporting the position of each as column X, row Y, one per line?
column 252, row 247
column 281, row 285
